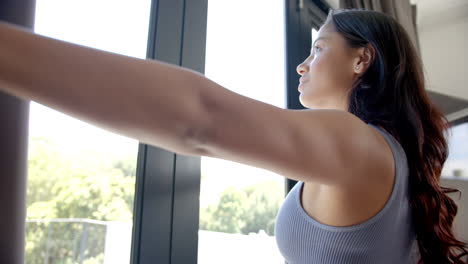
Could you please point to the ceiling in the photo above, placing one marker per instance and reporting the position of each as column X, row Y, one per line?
column 426, row 8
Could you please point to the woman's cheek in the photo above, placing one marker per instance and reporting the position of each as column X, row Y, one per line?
column 318, row 68
column 318, row 64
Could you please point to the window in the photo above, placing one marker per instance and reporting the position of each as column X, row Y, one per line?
column 457, row 161
column 239, row 203
column 81, row 178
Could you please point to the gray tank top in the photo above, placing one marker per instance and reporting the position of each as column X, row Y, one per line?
column 387, row 237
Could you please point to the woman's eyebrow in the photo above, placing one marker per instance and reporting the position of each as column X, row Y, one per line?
column 319, row 38
column 313, row 44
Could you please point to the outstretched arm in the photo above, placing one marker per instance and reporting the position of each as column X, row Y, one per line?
column 152, row 101
column 182, row 111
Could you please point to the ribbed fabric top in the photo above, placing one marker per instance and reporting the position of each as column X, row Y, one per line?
column 387, row 237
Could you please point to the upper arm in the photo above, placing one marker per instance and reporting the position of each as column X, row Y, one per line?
column 326, row 146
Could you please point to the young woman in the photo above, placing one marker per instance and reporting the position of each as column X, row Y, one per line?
column 367, row 154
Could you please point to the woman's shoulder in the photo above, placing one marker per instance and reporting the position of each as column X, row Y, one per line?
column 345, row 205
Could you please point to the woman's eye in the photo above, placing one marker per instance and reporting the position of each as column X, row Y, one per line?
column 316, row 48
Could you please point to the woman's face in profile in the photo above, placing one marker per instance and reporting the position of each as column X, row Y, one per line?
column 328, row 73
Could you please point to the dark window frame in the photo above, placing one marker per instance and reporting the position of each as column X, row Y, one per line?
column 14, row 116
column 166, row 205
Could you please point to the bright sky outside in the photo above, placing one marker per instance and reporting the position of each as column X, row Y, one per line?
column 110, row 25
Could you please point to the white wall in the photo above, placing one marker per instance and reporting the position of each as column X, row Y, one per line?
column 444, row 41
column 333, row 3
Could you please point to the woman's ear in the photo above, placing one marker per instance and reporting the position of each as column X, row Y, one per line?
column 365, row 56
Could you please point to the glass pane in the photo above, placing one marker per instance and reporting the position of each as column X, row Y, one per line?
column 457, row 161
column 314, row 35
column 81, row 178
column 239, row 203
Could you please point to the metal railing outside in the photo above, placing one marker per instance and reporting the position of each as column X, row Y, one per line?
column 65, row 241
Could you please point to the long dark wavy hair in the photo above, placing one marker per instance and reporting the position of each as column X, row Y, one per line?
column 392, row 94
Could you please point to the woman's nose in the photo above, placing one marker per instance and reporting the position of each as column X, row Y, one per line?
column 301, row 68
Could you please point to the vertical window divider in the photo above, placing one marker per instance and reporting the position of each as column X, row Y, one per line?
column 167, row 192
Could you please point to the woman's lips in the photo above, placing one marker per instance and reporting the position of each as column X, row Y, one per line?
column 299, row 87
column 301, row 82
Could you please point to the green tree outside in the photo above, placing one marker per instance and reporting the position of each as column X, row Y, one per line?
column 245, row 210
column 57, row 188
column 62, row 188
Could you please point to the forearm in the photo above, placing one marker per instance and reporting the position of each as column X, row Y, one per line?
column 151, row 101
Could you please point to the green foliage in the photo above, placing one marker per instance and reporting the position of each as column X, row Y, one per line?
column 103, row 189
column 226, row 216
column 59, row 188
column 263, row 204
column 244, row 211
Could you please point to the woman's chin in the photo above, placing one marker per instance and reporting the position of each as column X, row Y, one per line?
column 304, row 102
column 307, row 102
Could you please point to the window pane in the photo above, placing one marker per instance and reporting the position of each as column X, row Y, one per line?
column 239, row 203
column 314, row 35
column 457, row 161
column 81, row 178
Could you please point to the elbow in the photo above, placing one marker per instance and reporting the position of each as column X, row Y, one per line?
column 198, row 134
column 196, row 141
